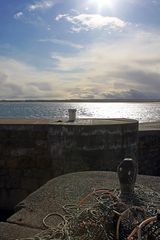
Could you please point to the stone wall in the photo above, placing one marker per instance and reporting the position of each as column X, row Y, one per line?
column 24, row 161
column 31, row 154
column 149, row 152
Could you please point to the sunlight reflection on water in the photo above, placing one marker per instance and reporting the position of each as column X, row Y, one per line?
column 144, row 112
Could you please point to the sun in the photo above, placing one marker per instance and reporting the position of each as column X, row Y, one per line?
column 102, row 4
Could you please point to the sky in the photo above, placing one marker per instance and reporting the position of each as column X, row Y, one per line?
column 79, row 49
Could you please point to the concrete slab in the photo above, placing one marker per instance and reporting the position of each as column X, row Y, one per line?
column 58, row 192
column 13, row 231
column 83, row 121
column 149, row 126
column 66, row 189
column 80, row 121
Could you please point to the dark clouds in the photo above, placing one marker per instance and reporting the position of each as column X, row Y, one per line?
column 132, row 94
column 140, row 78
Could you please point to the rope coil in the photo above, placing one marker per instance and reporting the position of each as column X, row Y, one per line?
column 100, row 215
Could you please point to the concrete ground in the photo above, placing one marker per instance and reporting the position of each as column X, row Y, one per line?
column 149, row 126
column 78, row 121
column 66, row 189
column 142, row 126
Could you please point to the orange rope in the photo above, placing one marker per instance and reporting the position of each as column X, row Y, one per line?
column 105, row 191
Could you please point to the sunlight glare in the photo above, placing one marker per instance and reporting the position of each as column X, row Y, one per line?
column 101, row 4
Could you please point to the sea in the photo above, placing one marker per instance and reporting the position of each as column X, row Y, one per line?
column 141, row 111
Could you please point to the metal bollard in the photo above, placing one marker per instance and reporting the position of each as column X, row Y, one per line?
column 127, row 173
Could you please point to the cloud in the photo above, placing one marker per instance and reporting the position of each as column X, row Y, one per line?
column 92, row 21
column 127, row 67
column 3, row 77
column 21, row 81
column 131, row 63
column 43, row 4
column 33, row 19
column 132, row 94
column 60, row 16
column 18, row 15
column 28, row 15
column 62, row 42
column 43, row 86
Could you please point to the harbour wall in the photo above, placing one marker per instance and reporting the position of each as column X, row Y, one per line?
column 32, row 152
column 149, row 151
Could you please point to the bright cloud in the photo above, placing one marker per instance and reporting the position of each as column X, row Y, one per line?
column 18, row 15
column 43, row 4
column 92, row 21
column 21, row 81
column 128, row 68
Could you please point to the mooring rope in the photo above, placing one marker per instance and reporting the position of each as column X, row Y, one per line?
column 100, row 216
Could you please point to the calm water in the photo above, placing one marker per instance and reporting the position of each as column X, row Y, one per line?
column 144, row 112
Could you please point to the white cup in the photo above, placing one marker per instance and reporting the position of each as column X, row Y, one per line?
column 72, row 114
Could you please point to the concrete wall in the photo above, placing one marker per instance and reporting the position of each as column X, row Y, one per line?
column 31, row 154
column 24, row 161
column 149, row 152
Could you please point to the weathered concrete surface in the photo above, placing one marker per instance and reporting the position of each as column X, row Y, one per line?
column 13, row 231
column 34, row 151
column 149, row 126
column 149, row 148
column 90, row 121
column 66, row 189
